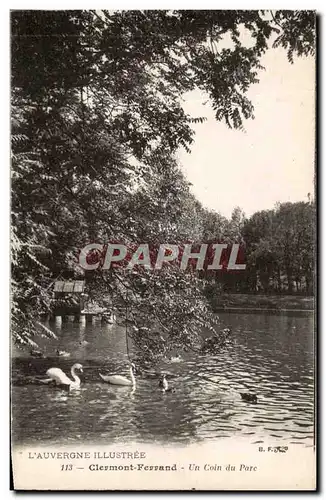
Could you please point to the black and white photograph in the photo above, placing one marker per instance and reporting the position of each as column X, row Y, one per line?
column 163, row 249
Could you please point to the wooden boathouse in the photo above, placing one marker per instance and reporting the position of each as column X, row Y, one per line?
column 71, row 304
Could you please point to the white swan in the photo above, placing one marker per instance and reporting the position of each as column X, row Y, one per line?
column 120, row 379
column 60, row 378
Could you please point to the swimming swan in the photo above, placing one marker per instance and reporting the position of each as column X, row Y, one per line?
column 60, row 378
column 120, row 379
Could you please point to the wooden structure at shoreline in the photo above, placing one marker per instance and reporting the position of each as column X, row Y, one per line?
column 69, row 297
column 83, row 318
column 70, row 302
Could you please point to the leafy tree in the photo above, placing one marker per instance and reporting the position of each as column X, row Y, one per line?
column 294, row 241
column 97, row 117
column 261, row 260
column 280, row 243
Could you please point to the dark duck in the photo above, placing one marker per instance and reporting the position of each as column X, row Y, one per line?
column 163, row 383
column 36, row 354
column 249, row 398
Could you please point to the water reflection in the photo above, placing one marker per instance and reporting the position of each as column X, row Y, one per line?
column 271, row 356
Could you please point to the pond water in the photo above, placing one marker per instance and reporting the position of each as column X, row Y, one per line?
column 270, row 355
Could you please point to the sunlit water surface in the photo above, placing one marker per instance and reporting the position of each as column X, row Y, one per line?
column 270, row 355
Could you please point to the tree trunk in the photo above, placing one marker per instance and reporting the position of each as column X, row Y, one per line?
column 290, row 281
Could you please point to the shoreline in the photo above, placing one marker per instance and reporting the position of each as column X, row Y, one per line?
column 257, row 304
column 255, row 310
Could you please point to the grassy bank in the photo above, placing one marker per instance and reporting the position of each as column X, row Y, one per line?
column 250, row 301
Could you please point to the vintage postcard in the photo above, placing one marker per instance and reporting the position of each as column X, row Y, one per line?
column 163, row 250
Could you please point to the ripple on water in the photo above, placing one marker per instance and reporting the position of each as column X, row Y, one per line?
column 263, row 359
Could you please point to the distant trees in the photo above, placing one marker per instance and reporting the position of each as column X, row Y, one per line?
column 279, row 250
column 295, row 244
